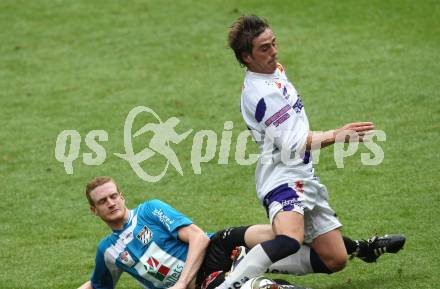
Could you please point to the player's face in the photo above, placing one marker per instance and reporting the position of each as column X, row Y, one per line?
column 264, row 53
column 109, row 204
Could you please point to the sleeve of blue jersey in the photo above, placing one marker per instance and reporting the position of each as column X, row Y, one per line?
column 165, row 215
column 101, row 277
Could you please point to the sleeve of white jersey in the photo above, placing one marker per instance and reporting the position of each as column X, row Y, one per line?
column 272, row 115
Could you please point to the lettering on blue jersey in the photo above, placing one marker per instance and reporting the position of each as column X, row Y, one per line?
column 145, row 235
column 164, row 219
column 277, row 115
column 298, row 105
column 126, row 259
column 260, row 111
column 281, row 119
column 174, row 276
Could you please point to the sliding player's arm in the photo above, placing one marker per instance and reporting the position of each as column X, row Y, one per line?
column 317, row 140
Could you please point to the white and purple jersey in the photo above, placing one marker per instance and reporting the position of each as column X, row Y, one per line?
column 148, row 248
column 271, row 106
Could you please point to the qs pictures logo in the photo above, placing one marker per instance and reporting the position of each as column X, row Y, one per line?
column 163, row 136
column 156, row 138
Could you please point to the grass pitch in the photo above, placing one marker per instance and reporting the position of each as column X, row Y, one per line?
column 84, row 65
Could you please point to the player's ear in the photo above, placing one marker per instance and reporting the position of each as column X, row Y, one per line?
column 246, row 57
column 93, row 210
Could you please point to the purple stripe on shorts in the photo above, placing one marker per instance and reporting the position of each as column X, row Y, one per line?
column 282, row 194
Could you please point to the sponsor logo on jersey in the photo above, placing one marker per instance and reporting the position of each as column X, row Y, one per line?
column 282, row 119
column 126, row 259
column 298, row 105
column 145, row 235
column 174, row 276
column 157, row 270
column 285, row 91
column 158, row 267
column 277, row 115
column 163, row 218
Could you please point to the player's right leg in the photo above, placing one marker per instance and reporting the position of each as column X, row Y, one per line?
column 288, row 227
column 307, row 261
column 331, row 250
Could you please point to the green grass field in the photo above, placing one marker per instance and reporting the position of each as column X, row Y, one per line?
column 84, row 65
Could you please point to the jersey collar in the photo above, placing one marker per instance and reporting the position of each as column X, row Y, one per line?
column 261, row 75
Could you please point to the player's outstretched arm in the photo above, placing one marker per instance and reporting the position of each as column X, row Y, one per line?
column 197, row 244
column 87, row 285
column 352, row 131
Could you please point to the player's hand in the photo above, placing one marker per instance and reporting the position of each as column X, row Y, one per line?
column 355, row 131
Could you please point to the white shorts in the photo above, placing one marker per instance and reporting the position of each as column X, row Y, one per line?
column 309, row 198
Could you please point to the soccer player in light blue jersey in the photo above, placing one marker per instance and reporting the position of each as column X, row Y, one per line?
column 159, row 246
column 151, row 242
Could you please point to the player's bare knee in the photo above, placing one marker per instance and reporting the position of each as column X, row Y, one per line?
column 336, row 263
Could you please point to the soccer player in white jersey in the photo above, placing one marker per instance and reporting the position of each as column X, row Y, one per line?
column 295, row 201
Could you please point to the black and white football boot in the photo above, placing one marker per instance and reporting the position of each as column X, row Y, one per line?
column 371, row 249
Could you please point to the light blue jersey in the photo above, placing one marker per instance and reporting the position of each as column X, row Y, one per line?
column 147, row 248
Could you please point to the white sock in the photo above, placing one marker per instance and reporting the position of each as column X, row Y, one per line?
column 253, row 264
column 296, row 264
